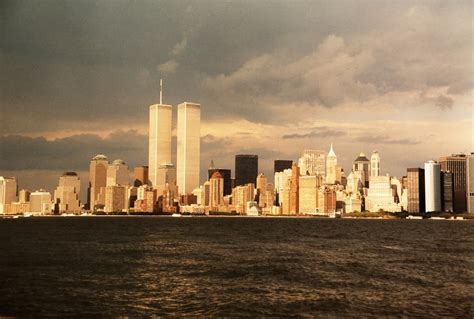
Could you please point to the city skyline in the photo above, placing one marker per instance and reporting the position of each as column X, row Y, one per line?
column 310, row 82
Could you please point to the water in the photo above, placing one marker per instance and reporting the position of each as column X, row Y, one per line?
column 278, row 267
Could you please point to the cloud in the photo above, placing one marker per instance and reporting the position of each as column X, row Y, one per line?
column 168, row 67
column 380, row 139
column 316, row 132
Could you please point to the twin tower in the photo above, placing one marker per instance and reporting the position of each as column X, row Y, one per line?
column 160, row 167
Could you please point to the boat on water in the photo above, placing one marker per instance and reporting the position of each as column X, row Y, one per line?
column 176, row 215
column 414, row 217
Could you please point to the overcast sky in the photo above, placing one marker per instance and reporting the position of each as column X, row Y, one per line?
column 273, row 78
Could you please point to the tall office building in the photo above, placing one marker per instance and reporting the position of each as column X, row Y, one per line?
column 294, row 190
column 246, row 169
column 97, row 179
column 189, row 146
column 312, row 162
column 261, row 186
column 470, row 182
column 8, row 191
column 381, row 195
column 159, row 139
column 331, row 163
column 308, row 194
column 40, row 202
column 226, row 175
column 117, row 173
column 456, row 164
column 416, row 190
column 216, row 190
column 432, row 187
column 66, row 195
column 24, row 196
column 281, row 165
column 115, row 198
column 447, row 191
column 375, row 164
column 362, row 165
column 141, row 176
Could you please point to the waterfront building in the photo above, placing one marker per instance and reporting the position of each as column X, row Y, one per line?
column 282, row 179
column 141, row 176
column 66, row 195
column 375, row 164
column 432, row 186
column 308, row 194
column 281, row 165
column 97, row 180
column 284, row 199
column 216, row 191
column 241, row 195
column 159, row 139
column 331, row 162
column 326, row 203
column 188, row 146
column 354, row 182
column 470, row 182
column 226, row 175
column 115, row 199
column 8, row 192
column 362, row 166
column 312, row 162
column 246, row 169
column 294, row 190
column 447, row 191
column 456, row 164
column 261, row 187
column 117, row 173
column 353, row 203
column 40, row 202
column 24, row 196
column 382, row 195
column 415, row 190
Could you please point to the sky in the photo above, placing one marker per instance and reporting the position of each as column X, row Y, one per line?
column 273, row 78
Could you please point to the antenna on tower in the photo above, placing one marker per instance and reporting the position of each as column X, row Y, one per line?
column 161, row 91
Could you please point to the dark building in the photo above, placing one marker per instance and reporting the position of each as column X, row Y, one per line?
column 281, row 165
column 447, row 192
column 415, row 184
column 226, row 175
column 456, row 164
column 246, row 169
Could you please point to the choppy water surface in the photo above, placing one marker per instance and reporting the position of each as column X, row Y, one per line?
column 139, row 266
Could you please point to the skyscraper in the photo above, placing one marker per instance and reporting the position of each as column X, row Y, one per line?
column 40, row 202
column 432, row 187
column 66, row 195
column 216, row 190
column 312, row 162
column 159, row 139
column 8, row 191
column 447, row 191
column 456, row 164
column 375, row 164
column 141, row 176
column 416, row 190
column 97, row 179
column 362, row 165
column 189, row 146
column 281, row 165
column 117, row 173
column 246, row 169
column 226, row 175
column 470, row 182
column 331, row 162
column 294, row 190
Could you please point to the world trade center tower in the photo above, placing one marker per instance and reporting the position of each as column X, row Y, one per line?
column 159, row 140
column 188, row 148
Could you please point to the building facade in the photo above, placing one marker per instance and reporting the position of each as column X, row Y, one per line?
column 159, row 140
column 312, row 162
column 66, row 195
column 331, row 163
column 97, row 180
column 432, row 186
column 188, row 146
column 415, row 190
column 456, row 164
column 8, row 192
column 246, row 169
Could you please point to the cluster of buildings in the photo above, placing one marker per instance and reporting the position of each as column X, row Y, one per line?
column 315, row 184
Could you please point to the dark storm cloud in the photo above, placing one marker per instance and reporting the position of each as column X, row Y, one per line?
column 315, row 133
column 71, row 153
column 96, row 63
